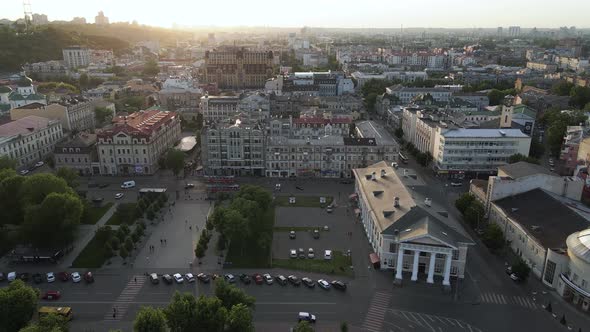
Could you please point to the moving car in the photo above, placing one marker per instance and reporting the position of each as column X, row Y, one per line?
column 39, row 164
column 308, row 282
column 88, row 277
column 178, row 278
column 301, row 253
column 37, row 278
column 229, row 278
column 324, row 284
column 330, row 208
column 293, row 280
column 128, row 184
column 281, row 280
column 456, row 184
column 64, row 276
column 51, row 295
column 306, row 316
column 154, row 278
column 119, row 195
column 316, row 234
column 292, row 234
column 189, row 277
column 278, row 187
column 204, row 277
column 11, row 276
column 189, row 186
column 310, row 253
column 258, row 279
column 76, row 277
column 50, row 277
column 24, row 172
column 245, row 278
column 338, row 285
column 328, row 254
column 293, row 253
column 267, row 278
column 167, row 279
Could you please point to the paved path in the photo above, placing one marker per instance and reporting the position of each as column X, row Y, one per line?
column 85, row 234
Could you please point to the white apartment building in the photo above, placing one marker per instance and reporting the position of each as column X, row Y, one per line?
column 76, row 56
column 134, row 143
column 216, row 108
column 404, row 236
column 29, row 139
column 406, row 94
column 460, row 151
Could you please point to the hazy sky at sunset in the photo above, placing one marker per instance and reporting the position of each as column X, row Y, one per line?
column 318, row 13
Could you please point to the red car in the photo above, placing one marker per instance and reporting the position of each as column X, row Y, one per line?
column 51, row 295
column 258, row 279
column 89, row 277
column 64, row 276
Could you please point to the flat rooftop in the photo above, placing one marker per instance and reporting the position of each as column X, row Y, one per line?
column 371, row 129
column 522, row 169
column 543, row 217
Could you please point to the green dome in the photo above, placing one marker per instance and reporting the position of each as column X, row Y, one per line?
column 5, row 89
column 24, row 82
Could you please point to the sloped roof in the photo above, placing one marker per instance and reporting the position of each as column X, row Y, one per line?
column 23, row 126
column 522, row 169
column 524, row 109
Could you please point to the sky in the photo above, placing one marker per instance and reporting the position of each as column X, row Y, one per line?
column 318, row 13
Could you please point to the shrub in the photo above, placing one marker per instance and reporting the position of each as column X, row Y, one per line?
column 128, row 244
column 115, row 243
column 200, row 251
column 135, row 237
column 125, row 229
column 150, row 214
column 123, row 253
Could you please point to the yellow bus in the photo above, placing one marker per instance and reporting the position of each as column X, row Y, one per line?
column 62, row 311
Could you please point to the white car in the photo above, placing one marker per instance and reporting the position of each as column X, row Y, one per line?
column 76, row 277
column 310, row 253
column 324, row 284
column 50, row 277
column 178, row 278
column 278, row 187
column 24, row 172
column 39, row 164
column 268, row 279
column 11, row 276
column 456, row 184
column 293, row 253
column 118, row 195
column 189, row 277
column 306, row 316
column 328, row 254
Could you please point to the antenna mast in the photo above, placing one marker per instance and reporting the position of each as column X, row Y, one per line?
column 28, row 13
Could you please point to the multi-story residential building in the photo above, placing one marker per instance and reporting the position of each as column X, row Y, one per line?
column 514, row 31
column 78, row 153
column 406, row 95
column 101, row 58
column 233, row 147
column 179, row 93
column 404, row 76
column 461, row 151
column 29, row 139
column 47, row 69
column 76, row 56
column 403, row 234
column 313, row 127
column 74, row 114
column 238, row 68
column 133, row 144
column 100, row 19
column 313, row 84
column 216, row 108
column 543, row 66
column 480, row 100
column 574, row 136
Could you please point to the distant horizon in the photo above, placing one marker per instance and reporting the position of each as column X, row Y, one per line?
column 328, row 14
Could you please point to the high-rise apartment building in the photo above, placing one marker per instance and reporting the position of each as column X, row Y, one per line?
column 238, row 68
column 76, row 56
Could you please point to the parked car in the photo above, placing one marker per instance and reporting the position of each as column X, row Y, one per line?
column 267, row 278
column 299, row 188
column 301, row 253
column 338, row 285
column 229, row 278
column 310, row 253
column 154, row 278
column 328, row 254
column 64, row 276
column 245, row 278
column 119, row 195
column 88, row 277
column 178, row 278
column 189, row 186
column 278, row 187
column 293, row 280
column 324, row 284
column 37, row 278
column 204, row 277
column 316, row 234
column 281, row 280
column 308, row 282
column 167, row 278
column 2, row 277
column 189, row 277
column 293, row 253
column 76, row 277
column 24, row 276
column 51, row 295
column 11, row 276
column 50, row 277
column 292, row 234
column 515, row 277
column 306, row 316
column 258, row 279
column 456, row 184
column 97, row 200
column 24, row 172
column 39, row 164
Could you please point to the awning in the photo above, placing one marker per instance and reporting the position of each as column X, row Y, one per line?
column 574, row 286
column 374, row 258
column 353, row 196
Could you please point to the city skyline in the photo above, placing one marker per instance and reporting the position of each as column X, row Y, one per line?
column 327, row 13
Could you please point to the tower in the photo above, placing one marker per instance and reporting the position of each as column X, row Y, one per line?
column 507, row 111
column 28, row 13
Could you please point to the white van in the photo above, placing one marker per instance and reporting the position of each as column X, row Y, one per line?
column 128, row 184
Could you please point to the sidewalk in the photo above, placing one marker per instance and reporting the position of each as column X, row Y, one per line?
column 84, row 234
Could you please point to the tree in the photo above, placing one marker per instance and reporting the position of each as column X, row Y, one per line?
column 115, row 242
column 69, row 175
column 11, row 210
column 54, row 221
column 123, row 253
column 579, row 96
column 37, row 186
column 210, row 314
column 128, row 244
column 493, row 237
column 175, row 160
column 463, row 202
column 236, row 227
column 521, row 269
column 520, row 157
column 149, row 319
column 181, row 313
column 231, row 295
column 48, row 323
column 103, row 234
column 303, row 326
column 474, row 213
column 239, row 319
column 7, row 163
column 18, row 303
column 562, row 88
column 343, row 327
column 84, row 81
column 101, row 114
column 151, row 68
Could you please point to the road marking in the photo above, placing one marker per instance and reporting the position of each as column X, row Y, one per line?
column 104, row 293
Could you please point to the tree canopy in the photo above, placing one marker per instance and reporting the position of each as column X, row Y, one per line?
column 70, row 175
column 48, row 323
column 18, row 303
column 7, row 162
column 231, row 295
column 149, row 319
column 175, row 160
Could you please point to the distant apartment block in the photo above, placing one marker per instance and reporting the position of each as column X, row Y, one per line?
column 238, row 68
column 76, row 56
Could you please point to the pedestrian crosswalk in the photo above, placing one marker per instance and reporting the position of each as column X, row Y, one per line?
column 121, row 304
column 377, row 309
column 430, row 322
column 522, row 301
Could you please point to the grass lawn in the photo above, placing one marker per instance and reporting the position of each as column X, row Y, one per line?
column 95, row 213
column 123, row 214
column 339, row 264
column 92, row 256
column 252, row 256
column 303, row 201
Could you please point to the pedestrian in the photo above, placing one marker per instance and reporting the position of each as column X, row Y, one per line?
column 161, row 241
column 164, row 241
column 114, row 315
column 135, row 279
column 190, row 228
column 185, row 221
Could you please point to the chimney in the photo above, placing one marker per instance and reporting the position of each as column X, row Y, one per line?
column 396, row 202
column 383, row 173
column 373, row 178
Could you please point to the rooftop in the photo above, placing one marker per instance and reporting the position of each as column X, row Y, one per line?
column 23, row 126
column 31, row 106
column 371, row 129
column 522, row 169
column 139, row 123
column 543, row 217
column 484, row 133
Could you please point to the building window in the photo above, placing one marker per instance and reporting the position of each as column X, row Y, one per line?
column 455, row 255
column 550, row 272
column 575, row 278
column 454, row 270
column 406, row 265
column 437, row 268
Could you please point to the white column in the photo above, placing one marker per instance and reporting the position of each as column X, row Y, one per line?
column 415, row 265
column 446, row 281
column 430, row 278
column 400, row 263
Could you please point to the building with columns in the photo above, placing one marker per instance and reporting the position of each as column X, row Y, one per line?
column 405, row 236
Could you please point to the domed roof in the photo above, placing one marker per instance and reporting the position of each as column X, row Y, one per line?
column 24, row 82
column 5, row 89
column 579, row 244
